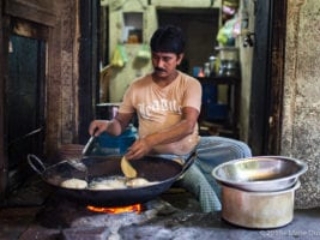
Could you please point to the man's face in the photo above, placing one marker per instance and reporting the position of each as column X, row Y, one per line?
column 165, row 64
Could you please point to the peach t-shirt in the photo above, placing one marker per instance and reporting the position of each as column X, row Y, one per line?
column 159, row 108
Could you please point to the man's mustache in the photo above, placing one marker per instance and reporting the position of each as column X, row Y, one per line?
column 159, row 69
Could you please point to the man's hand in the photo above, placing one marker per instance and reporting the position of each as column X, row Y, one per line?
column 113, row 127
column 97, row 127
column 138, row 149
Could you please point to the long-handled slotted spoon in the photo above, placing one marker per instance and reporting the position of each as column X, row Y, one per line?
column 76, row 162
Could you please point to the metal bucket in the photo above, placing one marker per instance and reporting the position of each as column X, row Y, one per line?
column 258, row 210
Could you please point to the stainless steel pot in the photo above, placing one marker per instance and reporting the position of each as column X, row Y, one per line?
column 260, row 174
column 258, row 210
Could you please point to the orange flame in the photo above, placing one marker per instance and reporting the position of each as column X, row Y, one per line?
column 116, row 210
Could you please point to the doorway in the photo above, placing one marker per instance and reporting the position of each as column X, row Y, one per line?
column 267, row 73
column 25, row 99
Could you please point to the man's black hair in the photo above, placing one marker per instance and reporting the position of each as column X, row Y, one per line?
column 168, row 39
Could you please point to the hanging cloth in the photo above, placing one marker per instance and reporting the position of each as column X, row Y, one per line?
column 144, row 52
column 119, row 58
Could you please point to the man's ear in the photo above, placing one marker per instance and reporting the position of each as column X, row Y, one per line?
column 179, row 58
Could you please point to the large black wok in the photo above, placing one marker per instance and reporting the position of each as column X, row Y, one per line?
column 165, row 172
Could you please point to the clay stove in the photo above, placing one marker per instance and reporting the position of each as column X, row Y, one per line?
column 175, row 214
column 161, row 217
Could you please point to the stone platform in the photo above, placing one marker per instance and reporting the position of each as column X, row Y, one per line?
column 174, row 215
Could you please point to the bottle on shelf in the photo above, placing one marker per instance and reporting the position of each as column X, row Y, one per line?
column 201, row 73
column 213, row 65
column 207, row 71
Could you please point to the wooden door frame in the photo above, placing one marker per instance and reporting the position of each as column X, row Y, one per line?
column 267, row 77
column 29, row 11
column 10, row 24
column 3, row 66
column 89, row 65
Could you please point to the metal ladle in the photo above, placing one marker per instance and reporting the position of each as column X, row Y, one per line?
column 88, row 145
column 76, row 162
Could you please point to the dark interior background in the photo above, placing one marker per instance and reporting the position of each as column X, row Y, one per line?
column 24, row 103
column 200, row 27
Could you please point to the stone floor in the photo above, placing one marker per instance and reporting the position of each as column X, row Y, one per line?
column 182, row 220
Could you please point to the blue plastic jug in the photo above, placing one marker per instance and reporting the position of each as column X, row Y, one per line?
column 107, row 144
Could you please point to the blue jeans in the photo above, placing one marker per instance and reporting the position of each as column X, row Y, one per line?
column 210, row 152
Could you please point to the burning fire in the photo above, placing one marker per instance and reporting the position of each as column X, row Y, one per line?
column 117, row 210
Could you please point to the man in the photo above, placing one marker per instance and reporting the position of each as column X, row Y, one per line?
column 167, row 103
